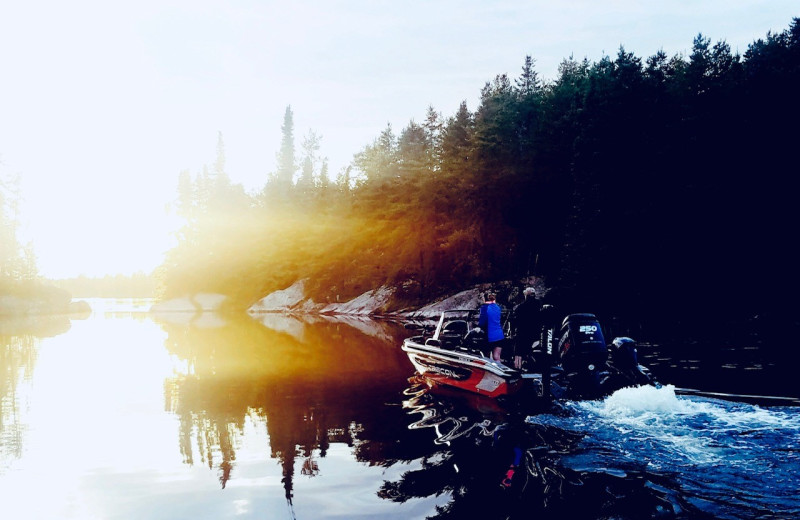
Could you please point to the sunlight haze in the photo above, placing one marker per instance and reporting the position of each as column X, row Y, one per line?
column 102, row 106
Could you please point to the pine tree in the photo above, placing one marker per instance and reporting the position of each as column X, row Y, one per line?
column 528, row 82
column 433, row 133
column 457, row 139
column 17, row 262
column 378, row 161
column 219, row 163
column 310, row 148
column 286, row 159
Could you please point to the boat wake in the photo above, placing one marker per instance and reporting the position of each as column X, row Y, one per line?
column 725, row 458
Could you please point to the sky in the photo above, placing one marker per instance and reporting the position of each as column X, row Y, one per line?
column 102, row 106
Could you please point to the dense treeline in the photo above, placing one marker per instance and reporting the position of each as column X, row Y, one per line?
column 632, row 185
column 18, row 271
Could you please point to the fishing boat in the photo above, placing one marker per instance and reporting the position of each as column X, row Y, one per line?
column 572, row 361
column 452, row 356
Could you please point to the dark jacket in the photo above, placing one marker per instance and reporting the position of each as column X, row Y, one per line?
column 526, row 322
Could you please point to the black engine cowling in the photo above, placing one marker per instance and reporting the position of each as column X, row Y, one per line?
column 625, row 360
column 581, row 346
column 623, row 353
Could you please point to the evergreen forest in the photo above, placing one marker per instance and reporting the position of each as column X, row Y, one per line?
column 18, row 271
column 634, row 186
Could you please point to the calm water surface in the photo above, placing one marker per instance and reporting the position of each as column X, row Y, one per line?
column 126, row 415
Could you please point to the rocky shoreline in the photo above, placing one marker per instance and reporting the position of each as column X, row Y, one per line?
column 373, row 303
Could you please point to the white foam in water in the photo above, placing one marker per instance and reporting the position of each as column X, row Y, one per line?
column 646, row 406
column 711, row 447
column 639, row 400
column 645, row 401
column 699, row 430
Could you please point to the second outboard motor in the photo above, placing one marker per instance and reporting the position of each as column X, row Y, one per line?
column 625, row 359
column 582, row 347
column 623, row 353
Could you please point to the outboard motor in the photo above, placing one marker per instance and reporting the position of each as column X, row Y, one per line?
column 623, row 353
column 583, row 354
column 582, row 346
column 625, row 359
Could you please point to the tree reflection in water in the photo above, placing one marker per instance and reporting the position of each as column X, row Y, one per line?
column 495, row 464
column 19, row 339
column 308, row 384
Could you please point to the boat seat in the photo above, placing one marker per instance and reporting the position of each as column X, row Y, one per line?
column 450, row 341
column 452, row 333
column 455, row 327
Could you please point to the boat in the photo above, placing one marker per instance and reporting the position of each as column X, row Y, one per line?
column 452, row 356
column 570, row 361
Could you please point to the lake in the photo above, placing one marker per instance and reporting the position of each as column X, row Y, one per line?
column 125, row 415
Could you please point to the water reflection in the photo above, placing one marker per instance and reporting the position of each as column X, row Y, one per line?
column 19, row 337
column 46, row 326
column 17, row 358
column 752, row 356
column 494, row 463
column 125, row 417
column 198, row 416
column 310, row 383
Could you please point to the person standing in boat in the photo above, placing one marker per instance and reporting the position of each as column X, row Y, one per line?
column 526, row 324
column 489, row 320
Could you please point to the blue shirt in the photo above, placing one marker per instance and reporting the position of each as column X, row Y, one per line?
column 489, row 320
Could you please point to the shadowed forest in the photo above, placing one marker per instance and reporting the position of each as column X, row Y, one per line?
column 632, row 185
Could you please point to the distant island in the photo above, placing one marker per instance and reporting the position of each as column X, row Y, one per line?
column 65, row 296
column 38, row 298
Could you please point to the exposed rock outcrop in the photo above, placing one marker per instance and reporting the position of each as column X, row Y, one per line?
column 469, row 299
column 293, row 299
column 371, row 302
column 285, row 300
column 378, row 301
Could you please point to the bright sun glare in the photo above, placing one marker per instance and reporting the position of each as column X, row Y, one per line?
column 102, row 108
column 86, row 233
